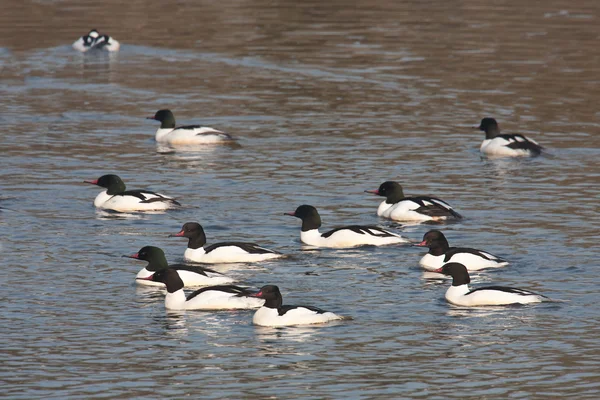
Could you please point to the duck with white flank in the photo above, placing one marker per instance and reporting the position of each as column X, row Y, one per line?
column 191, row 276
column 224, row 297
column 274, row 313
column 189, row 134
column 116, row 198
column 415, row 209
column 459, row 293
column 225, row 252
column 95, row 41
column 496, row 144
column 347, row 236
column 441, row 253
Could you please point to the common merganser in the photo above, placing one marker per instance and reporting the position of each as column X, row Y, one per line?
column 460, row 294
column 347, row 236
column 441, row 253
column 224, row 297
column 189, row 134
column 95, row 41
column 225, row 252
column 274, row 313
column 417, row 209
column 191, row 276
column 496, row 144
column 116, row 198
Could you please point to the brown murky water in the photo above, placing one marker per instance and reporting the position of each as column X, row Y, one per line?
column 328, row 99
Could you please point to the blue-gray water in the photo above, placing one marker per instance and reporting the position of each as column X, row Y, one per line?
column 328, row 99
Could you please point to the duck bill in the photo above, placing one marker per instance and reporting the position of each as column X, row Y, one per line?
column 92, row 182
column 292, row 214
column 151, row 118
column 180, row 234
column 148, row 278
column 439, row 270
column 422, row 244
column 373, row 192
column 476, row 126
column 259, row 295
column 136, row 256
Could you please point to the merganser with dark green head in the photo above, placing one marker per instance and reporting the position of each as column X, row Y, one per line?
column 190, row 275
column 169, row 134
column 117, row 198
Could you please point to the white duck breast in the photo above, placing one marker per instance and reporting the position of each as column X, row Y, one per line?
column 490, row 296
column 212, row 298
column 351, row 236
column 510, row 145
column 134, row 200
column 417, row 209
column 191, row 276
column 473, row 259
column 292, row 315
column 229, row 252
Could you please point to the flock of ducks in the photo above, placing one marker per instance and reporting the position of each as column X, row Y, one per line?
column 218, row 293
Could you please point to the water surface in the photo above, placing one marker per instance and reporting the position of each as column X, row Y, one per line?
column 327, row 100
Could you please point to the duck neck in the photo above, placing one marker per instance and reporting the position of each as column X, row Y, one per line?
column 492, row 131
column 168, row 122
column 115, row 188
column 157, row 263
column 461, row 280
column 197, row 240
column 395, row 196
column 174, row 282
column 439, row 247
column 275, row 302
column 310, row 223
